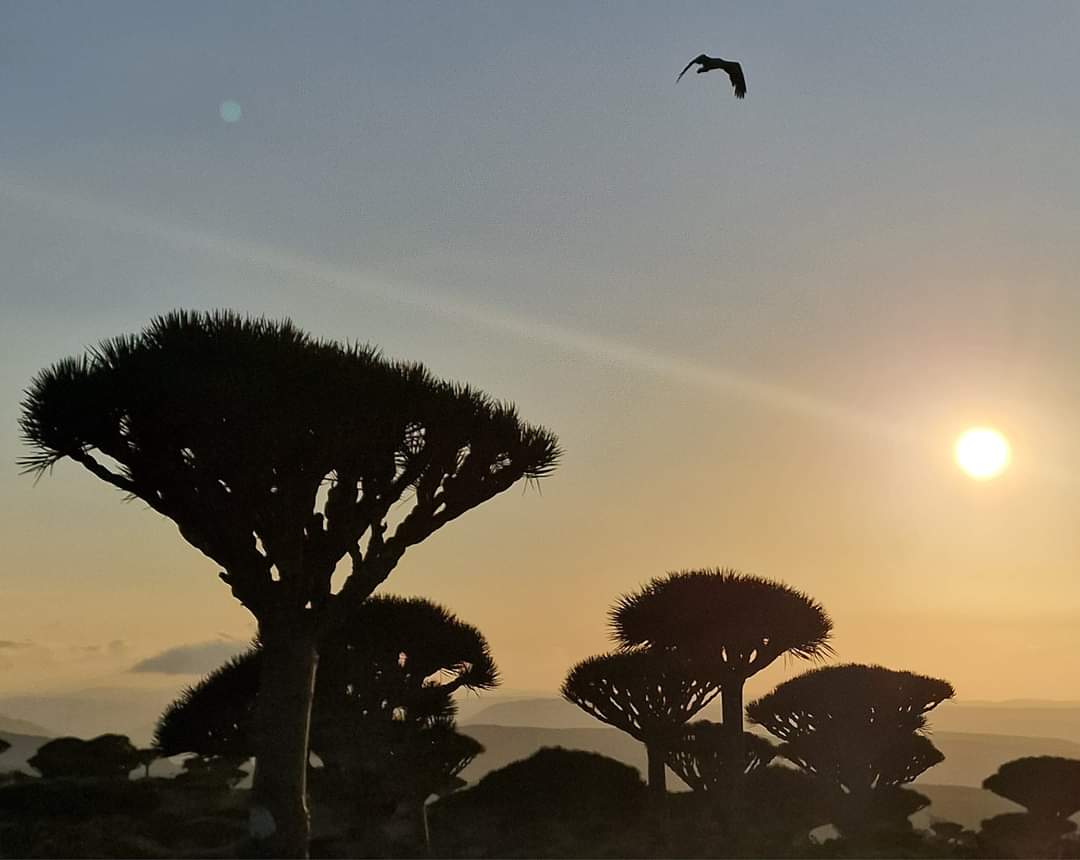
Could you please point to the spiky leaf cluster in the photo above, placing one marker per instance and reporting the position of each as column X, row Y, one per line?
column 647, row 694
column 1047, row 786
column 230, row 426
column 855, row 726
column 731, row 622
column 702, row 756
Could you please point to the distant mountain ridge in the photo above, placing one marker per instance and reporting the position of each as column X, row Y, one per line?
column 1060, row 720
column 22, row 727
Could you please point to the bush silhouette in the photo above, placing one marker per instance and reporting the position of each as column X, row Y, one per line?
column 104, row 757
column 231, row 427
column 557, row 802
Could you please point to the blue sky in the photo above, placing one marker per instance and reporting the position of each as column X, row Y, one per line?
column 756, row 325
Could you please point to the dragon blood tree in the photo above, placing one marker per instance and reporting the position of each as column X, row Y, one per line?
column 647, row 694
column 279, row 455
column 857, row 730
column 728, row 626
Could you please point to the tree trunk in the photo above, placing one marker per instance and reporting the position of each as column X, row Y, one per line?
column 657, row 769
column 279, row 814
column 731, row 697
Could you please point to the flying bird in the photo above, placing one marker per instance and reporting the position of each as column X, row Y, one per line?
column 707, row 64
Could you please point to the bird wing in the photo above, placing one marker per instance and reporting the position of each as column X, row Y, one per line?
column 700, row 58
column 738, row 80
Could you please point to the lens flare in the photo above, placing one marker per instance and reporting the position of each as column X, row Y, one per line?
column 230, row 111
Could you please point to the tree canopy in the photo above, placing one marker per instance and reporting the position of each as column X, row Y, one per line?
column 722, row 618
column 1047, row 786
column 235, row 427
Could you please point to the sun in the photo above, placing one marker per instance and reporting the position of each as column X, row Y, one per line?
column 982, row 453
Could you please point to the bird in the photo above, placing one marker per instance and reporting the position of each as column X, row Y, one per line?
column 707, row 64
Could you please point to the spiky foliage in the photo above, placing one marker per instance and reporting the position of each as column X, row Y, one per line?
column 396, row 660
column 231, row 425
column 720, row 617
column 857, row 727
column 1047, row 786
column 103, row 757
column 647, row 694
column 214, row 717
column 701, row 756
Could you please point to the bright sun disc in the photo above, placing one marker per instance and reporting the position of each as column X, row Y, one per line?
column 982, row 453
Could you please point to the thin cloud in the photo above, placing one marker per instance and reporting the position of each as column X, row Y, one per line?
column 442, row 303
column 196, row 658
column 11, row 645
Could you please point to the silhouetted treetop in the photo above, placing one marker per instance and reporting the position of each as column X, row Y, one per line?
column 722, row 617
column 1047, row 786
column 852, row 694
column 230, row 425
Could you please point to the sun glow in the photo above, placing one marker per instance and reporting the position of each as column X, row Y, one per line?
column 982, row 453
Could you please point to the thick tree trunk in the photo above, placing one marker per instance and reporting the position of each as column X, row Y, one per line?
column 730, row 793
column 731, row 697
column 657, row 770
column 279, row 815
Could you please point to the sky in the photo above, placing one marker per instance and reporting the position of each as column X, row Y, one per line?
column 756, row 326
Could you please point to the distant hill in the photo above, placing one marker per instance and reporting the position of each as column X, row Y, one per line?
column 1022, row 718
column 22, row 727
column 971, row 757
column 130, row 711
column 22, row 748
column 962, row 804
column 545, row 713
column 1036, row 720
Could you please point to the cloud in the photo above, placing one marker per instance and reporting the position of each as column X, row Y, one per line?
column 197, row 658
column 10, row 645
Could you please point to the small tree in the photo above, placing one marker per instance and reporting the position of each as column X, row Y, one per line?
column 857, row 729
column 1049, row 788
column 278, row 456
column 701, row 758
column 728, row 625
column 649, row 695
